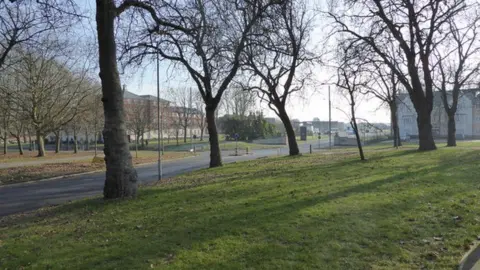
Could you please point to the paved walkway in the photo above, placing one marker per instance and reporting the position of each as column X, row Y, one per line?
column 472, row 260
column 43, row 161
column 21, row 197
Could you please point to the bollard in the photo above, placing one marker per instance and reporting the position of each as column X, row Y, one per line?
column 310, row 148
column 247, row 150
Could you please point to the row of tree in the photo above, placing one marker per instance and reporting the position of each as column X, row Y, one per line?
column 46, row 92
column 418, row 47
column 264, row 47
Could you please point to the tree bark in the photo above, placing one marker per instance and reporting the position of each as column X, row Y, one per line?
column 75, row 142
column 24, row 138
column 215, row 154
column 41, row 144
column 68, row 140
column 87, row 142
column 19, row 143
column 57, row 142
column 5, row 140
column 292, row 139
column 425, row 134
column 357, row 136
column 395, row 128
column 201, row 134
column 176, row 137
column 121, row 176
column 185, row 134
column 452, row 130
column 30, row 143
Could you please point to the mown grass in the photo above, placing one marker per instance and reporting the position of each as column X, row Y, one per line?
column 399, row 210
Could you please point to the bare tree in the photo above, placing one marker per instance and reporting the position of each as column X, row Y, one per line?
column 5, row 115
column 139, row 114
column 416, row 27
column 278, row 55
column 45, row 86
column 350, row 82
column 25, row 22
column 183, row 109
column 200, row 114
column 121, row 176
column 239, row 101
column 206, row 38
column 384, row 86
column 457, row 62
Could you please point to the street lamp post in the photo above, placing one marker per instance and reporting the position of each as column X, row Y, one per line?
column 329, row 120
column 158, row 122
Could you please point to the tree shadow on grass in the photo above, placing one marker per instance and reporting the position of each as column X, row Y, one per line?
column 187, row 221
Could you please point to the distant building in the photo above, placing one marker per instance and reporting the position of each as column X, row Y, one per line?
column 467, row 118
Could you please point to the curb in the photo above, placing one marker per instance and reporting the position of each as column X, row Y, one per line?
column 80, row 174
column 471, row 259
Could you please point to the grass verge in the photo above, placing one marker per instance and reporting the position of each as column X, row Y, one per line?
column 399, row 210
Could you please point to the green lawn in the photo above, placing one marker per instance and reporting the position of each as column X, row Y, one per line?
column 399, row 210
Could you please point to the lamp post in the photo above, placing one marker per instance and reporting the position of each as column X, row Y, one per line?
column 159, row 123
column 329, row 120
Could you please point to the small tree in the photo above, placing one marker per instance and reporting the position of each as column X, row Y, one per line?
column 350, row 81
column 274, row 56
column 458, row 62
column 183, row 109
column 139, row 114
column 200, row 114
column 384, row 86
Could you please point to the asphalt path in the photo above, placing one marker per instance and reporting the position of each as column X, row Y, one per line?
column 23, row 197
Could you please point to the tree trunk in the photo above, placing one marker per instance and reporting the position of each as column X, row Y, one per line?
column 292, row 139
column 68, row 140
column 357, row 136
column 394, row 123
column 5, row 140
column 19, row 143
column 201, row 133
column 425, row 134
column 75, row 142
column 452, row 130
column 215, row 154
column 121, row 176
column 57, row 142
column 30, row 143
column 176, row 137
column 41, row 144
column 185, row 134
column 24, row 138
column 87, row 142
column 136, row 145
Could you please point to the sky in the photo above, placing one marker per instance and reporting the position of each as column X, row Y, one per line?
column 313, row 104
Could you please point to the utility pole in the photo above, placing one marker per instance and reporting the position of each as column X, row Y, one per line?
column 329, row 120
column 158, row 122
column 190, row 116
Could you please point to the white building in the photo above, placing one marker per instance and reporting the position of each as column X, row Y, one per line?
column 467, row 117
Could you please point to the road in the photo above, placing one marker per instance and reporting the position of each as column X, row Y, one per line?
column 23, row 197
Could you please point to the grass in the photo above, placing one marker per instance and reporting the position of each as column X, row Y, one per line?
column 37, row 172
column 399, row 210
column 50, row 155
column 243, row 145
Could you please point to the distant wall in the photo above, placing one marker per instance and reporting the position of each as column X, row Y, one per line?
column 278, row 140
column 344, row 141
